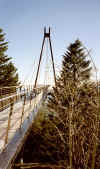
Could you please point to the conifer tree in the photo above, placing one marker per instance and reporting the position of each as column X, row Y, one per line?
column 75, row 67
column 75, row 71
column 8, row 72
column 73, row 100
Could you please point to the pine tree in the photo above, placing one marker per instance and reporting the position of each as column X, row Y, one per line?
column 73, row 100
column 75, row 66
column 75, row 71
column 8, row 72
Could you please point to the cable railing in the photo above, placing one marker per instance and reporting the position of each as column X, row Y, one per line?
column 11, row 90
column 15, row 109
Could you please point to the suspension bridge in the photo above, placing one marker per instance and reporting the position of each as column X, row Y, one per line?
column 19, row 106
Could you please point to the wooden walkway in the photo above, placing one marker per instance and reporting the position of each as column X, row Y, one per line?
column 17, row 136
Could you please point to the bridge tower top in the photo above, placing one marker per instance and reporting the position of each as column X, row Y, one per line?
column 46, row 36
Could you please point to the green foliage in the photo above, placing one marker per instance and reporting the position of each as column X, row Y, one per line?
column 74, row 75
column 75, row 67
column 44, row 144
column 8, row 72
column 74, row 99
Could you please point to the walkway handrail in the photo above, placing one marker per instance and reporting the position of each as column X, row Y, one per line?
column 28, row 98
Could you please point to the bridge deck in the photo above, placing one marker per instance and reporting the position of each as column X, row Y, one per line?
column 16, row 135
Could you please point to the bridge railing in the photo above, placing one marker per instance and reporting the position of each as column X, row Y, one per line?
column 17, row 108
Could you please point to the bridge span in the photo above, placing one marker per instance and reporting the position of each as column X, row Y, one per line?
column 17, row 113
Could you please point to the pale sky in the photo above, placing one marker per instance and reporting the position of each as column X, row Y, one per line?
column 23, row 22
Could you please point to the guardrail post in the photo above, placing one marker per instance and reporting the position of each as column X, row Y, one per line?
column 9, row 120
column 23, row 110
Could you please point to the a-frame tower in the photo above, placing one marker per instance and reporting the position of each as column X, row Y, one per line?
column 46, row 36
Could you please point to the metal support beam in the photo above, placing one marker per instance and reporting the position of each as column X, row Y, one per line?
column 52, row 60
column 39, row 61
column 46, row 35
